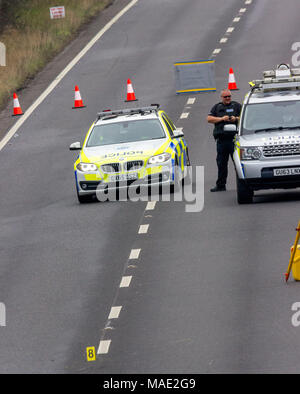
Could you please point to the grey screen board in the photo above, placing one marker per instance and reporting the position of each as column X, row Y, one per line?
column 196, row 76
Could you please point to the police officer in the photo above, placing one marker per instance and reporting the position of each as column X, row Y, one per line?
column 225, row 112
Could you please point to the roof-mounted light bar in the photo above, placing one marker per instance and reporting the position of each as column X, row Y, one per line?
column 281, row 78
column 128, row 111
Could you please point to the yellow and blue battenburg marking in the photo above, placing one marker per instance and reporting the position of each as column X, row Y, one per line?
column 238, row 149
column 180, row 150
column 211, row 89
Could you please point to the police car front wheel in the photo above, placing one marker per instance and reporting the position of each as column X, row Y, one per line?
column 83, row 199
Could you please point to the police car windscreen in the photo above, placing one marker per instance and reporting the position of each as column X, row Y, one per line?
column 271, row 116
column 123, row 132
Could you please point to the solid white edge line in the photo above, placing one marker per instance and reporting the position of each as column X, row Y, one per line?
column 63, row 73
column 104, row 346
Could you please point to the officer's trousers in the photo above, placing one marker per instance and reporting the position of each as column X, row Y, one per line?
column 225, row 150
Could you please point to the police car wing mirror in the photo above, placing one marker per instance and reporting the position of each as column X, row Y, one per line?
column 230, row 127
column 177, row 133
column 75, row 146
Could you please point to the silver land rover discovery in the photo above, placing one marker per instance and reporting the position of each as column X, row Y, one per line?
column 267, row 147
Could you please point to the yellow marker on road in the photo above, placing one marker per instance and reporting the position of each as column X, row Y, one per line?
column 293, row 253
column 91, row 353
column 296, row 264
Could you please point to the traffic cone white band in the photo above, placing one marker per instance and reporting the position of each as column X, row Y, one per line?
column 231, row 81
column 16, row 103
column 130, row 88
column 231, row 78
column 77, row 95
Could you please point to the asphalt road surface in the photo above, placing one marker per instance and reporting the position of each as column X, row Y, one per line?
column 207, row 291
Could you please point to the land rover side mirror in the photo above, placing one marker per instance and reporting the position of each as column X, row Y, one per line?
column 230, row 128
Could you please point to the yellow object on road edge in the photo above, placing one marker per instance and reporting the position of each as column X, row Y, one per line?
column 296, row 263
column 293, row 253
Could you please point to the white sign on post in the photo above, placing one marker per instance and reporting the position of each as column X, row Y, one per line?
column 57, row 12
column 2, row 54
column 2, row 315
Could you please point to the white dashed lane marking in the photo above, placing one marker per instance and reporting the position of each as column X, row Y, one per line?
column 104, row 346
column 191, row 100
column 230, row 29
column 150, row 205
column 114, row 312
column 143, row 228
column 184, row 115
column 134, row 254
column 125, row 281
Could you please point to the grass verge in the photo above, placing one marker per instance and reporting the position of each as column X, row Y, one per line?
column 31, row 38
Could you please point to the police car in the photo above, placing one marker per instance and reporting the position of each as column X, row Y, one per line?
column 267, row 151
column 137, row 145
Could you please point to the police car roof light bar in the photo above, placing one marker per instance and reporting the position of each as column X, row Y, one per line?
column 128, row 111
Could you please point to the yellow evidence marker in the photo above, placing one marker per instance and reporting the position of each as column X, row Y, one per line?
column 91, row 353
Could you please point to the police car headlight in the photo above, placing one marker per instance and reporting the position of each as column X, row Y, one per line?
column 86, row 167
column 158, row 159
column 251, row 153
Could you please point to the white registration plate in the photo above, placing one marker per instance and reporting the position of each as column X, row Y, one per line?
column 123, row 177
column 286, row 171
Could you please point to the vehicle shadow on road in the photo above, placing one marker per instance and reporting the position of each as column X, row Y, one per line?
column 271, row 197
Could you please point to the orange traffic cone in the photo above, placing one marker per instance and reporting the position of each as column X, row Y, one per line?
column 17, row 108
column 78, row 101
column 130, row 92
column 231, row 80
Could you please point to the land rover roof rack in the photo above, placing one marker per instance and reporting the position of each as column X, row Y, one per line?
column 109, row 114
column 281, row 78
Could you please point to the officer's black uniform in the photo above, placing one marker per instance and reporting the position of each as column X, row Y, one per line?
column 225, row 145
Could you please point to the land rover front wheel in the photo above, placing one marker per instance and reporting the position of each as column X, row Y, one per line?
column 244, row 192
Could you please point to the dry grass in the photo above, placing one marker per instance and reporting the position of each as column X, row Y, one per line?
column 34, row 38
